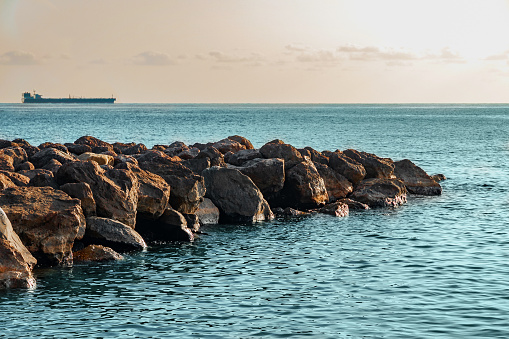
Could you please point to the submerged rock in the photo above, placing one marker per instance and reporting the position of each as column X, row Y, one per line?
column 96, row 253
column 114, row 234
column 380, row 192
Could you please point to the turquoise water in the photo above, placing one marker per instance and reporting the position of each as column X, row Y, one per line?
column 435, row 268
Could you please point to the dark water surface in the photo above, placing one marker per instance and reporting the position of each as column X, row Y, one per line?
column 435, row 268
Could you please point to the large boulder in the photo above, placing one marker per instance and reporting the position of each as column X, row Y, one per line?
column 236, row 196
column 42, row 157
column 171, row 226
column 187, row 188
column 6, row 163
column 416, row 180
column 337, row 185
column 380, row 192
column 82, row 191
column 375, row 166
column 267, row 174
column 7, row 233
column 304, row 187
column 207, row 212
column 115, row 191
column 153, row 192
column 78, row 148
column 278, row 149
column 96, row 253
column 212, row 153
column 347, row 167
column 17, row 179
column 114, row 234
column 47, row 221
column 14, row 271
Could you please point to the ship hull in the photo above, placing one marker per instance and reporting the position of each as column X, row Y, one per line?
column 68, row 100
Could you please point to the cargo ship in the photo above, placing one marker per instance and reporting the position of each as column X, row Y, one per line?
column 29, row 98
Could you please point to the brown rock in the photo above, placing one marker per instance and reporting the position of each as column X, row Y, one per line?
column 122, row 158
column 82, row 191
column 119, row 147
column 115, row 191
column 135, row 149
column 7, row 143
column 47, row 221
column 153, row 192
column 17, row 154
column 380, row 192
column 216, row 157
column 14, row 271
column 7, row 233
column 337, row 209
column 17, row 179
column 189, row 154
column 375, row 166
column 416, row 180
column 347, row 167
column 6, row 163
column 193, row 222
column 30, row 150
column 175, row 148
column 21, row 142
column 25, row 166
column 337, row 185
column 171, row 226
column 187, row 188
column 317, row 156
column 94, row 142
column 59, row 147
column 354, row 205
column 44, row 179
column 33, row 173
column 53, row 165
column 101, row 159
column 438, row 177
column 197, row 165
column 242, row 156
column 236, row 196
column 228, row 145
column 207, row 212
column 278, row 149
column 96, row 253
column 241, row 140
column 44, row 156
column 267, row 174
column 304, row 187
column 78, row 148
column 114, row 234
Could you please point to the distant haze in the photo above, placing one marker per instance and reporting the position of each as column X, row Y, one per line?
column 257, row 51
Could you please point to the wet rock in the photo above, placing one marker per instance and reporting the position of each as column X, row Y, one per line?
column 7, row 233
column 44, row 156
column 82, row 191
column 236, row 196
column 438, row 177
column 347, row 167
column 187, row 188
column 47, row 221
column 101, row 159
column 416, row 180
column 337, row 185
column 267, row 174
column 171, row 226
column 96, row 253
column 337, row 209
column 193, row 222
column 241, row 140
column 304, row 187
column 278, row 149
column 153, row 192
column 114, row 234
column 239, row 158
column 115, row 191
column 354, row 205
column 14, row 271
column 207, row 212
column 380, row 192
column 375, row 166
column 288, row 212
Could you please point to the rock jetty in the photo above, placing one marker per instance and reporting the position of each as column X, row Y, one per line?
column 89, row 200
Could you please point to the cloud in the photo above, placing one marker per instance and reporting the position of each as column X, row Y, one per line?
column 99, row 61
column 153, row 59
column 498, row 57
column 253, row 58
column 18, row 58
column 321, row 57
column 446, row 55
column 372, row 53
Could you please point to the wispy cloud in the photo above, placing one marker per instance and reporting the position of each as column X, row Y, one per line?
column 153, row 59
column 18, row 58
column 234, row 58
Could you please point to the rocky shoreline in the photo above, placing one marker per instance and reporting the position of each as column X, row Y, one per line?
column 90, row 200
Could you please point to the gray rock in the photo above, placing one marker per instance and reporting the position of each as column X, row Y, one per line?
column 114, row 234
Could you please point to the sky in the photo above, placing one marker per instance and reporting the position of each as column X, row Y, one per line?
column 257, row 51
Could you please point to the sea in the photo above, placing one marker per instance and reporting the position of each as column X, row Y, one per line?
column 437, row 267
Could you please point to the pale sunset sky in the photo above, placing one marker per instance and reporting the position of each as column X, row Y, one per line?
column 257, row 51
